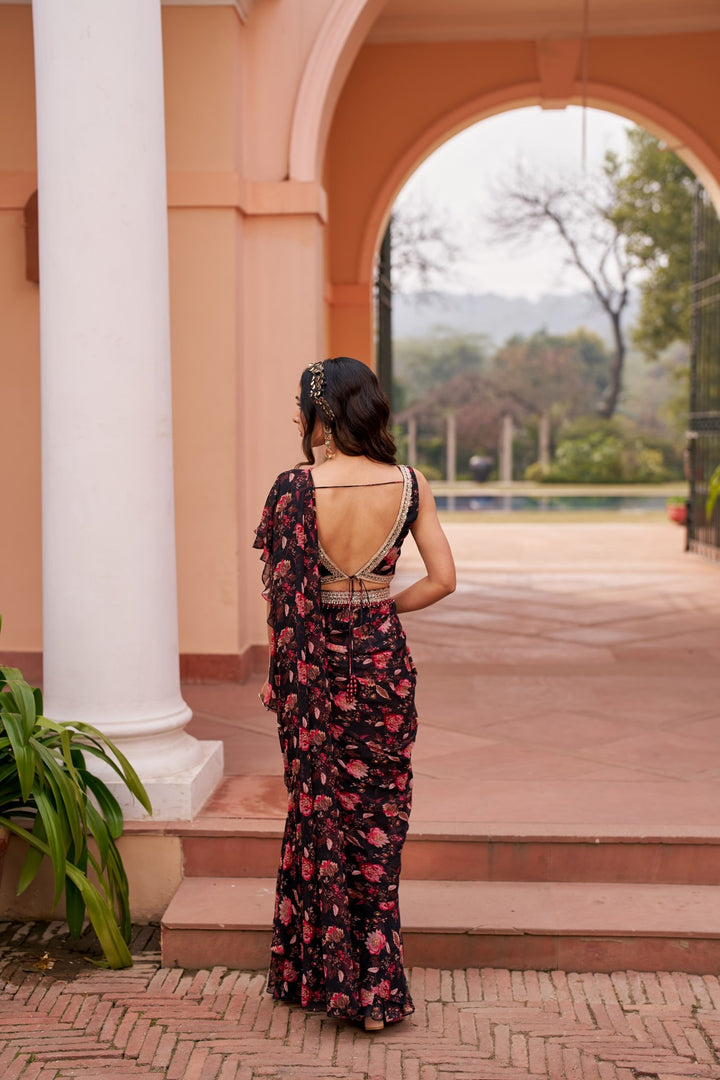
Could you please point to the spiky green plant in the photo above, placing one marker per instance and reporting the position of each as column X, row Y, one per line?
column 54, row 802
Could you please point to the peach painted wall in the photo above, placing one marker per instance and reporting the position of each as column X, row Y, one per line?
column 203, row 52
column 401, row 101
column 20, row 564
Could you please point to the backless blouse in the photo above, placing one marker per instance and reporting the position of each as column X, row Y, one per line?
column 380, row 567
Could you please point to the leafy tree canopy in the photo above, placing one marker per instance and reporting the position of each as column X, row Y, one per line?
column 653, row 207
column 421, row 365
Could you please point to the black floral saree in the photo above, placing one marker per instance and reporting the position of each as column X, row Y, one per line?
column 346, row 751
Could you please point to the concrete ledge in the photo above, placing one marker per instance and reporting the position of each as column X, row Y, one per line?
column 579, row 927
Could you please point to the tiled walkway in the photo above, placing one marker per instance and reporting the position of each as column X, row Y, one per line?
column 68, row 1021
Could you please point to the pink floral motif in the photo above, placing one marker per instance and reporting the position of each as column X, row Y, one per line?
column 377, row 837
column 322, row 802
column 357, row 768
column 376, row 942
column 380, row 659
column 290, row 972
column 285, row 911
column 307, row 869
column 348, row 800
column 372, row 871
column 339, row 1001
column 306, row 804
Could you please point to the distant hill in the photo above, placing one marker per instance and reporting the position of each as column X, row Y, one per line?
column 499, row 317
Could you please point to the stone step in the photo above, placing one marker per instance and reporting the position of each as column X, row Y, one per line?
column 459, row 924
column 236, row 848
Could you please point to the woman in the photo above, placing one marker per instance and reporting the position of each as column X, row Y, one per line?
column 342, row 683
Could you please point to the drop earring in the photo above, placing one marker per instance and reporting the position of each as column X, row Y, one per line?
column 329, row 452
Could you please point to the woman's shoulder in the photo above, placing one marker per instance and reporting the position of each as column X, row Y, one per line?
column 290, row 479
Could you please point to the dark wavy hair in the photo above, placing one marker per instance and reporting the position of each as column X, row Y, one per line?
column 362, row 411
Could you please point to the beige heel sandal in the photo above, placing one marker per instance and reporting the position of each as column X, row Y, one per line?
column 373, row 1025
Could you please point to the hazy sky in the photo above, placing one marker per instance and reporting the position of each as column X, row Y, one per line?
column 460, row 176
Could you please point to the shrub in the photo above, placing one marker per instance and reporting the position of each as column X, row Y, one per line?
column 594, row 451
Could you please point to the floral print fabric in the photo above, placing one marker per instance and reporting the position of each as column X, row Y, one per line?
column 337, row 942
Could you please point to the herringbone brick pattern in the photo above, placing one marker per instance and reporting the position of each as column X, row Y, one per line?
column 62, row 1017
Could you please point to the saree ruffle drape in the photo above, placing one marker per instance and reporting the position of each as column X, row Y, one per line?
column 336, row 936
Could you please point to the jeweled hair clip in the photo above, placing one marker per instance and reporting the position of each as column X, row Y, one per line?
column 317, row 387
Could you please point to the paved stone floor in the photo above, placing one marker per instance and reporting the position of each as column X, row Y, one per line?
column 60, row 1017
column 572, row 679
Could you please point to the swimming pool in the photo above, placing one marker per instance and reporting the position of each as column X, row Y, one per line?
column 629, row 504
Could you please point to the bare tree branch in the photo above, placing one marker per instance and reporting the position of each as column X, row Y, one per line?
column 527, row 207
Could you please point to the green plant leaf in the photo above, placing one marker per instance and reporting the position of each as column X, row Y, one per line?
column 22, row 696
column 23, row 755
column 74, row 908
column 109, row 806
column 33, row 861
column 125, row 770
column 56, row 842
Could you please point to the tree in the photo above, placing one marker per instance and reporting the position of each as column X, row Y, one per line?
column 581, row 215
column 552, row 372
column 654, row 193
column 544, row 374
column 423, row 245
column 421, row 365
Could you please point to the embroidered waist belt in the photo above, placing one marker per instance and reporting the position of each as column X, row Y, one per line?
column 345, row 598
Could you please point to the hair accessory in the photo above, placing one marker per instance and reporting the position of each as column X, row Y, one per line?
column 329, row 452
column 317, row 386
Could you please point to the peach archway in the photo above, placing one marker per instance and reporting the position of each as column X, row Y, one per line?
column 678, row 136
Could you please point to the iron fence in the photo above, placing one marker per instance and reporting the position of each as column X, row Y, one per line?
column 703, row 534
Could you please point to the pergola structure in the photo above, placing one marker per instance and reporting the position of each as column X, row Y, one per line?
column 214, row 180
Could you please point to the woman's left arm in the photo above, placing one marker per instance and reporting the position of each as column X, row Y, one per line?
column 439, row 580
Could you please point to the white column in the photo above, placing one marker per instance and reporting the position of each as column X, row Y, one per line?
column 109, row 582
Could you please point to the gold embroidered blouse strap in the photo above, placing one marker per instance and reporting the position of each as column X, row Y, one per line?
column 365, row 573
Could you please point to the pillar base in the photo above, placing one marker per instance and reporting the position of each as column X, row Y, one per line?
column 178, row 796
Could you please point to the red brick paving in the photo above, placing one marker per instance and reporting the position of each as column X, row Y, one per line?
column 76, row 1020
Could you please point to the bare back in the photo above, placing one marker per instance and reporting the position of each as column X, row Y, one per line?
column 357, row 511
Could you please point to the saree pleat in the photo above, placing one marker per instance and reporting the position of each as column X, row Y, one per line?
column 337, row 942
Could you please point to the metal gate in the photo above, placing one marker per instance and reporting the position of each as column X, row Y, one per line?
column 703, row 534
column 383, row 285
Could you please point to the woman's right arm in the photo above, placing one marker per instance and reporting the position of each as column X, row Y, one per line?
column 439, row 580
